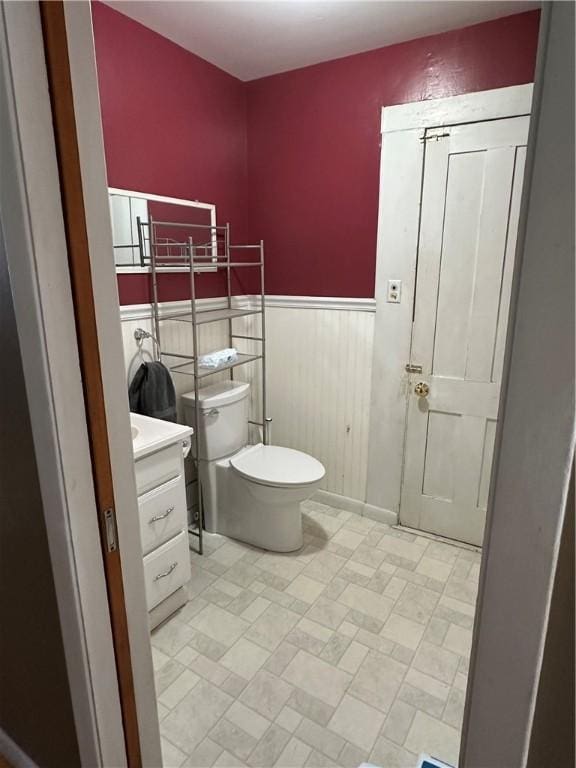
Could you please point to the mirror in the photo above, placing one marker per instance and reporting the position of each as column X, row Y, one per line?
column 132, row 246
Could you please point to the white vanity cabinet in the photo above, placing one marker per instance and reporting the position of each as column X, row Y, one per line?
column 159, row 451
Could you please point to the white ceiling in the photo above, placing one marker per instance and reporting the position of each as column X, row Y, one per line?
column 255, row 38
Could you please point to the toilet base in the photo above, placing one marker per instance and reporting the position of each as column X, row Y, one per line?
column 264, row 516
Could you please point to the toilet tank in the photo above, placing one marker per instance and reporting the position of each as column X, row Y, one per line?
column 223, row 427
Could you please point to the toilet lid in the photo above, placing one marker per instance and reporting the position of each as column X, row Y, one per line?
column 273, row 465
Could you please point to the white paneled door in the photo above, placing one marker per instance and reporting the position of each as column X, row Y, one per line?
column 469, row 217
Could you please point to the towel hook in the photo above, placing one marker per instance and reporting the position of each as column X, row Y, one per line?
column 140, row 334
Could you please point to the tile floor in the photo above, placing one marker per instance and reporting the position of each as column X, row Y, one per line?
column 353, row 649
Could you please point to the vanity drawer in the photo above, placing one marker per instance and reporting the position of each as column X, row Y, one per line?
column 166, row 569
column 162, row 514
column 158, row 468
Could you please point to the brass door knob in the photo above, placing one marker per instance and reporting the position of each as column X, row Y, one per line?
column 422, row 389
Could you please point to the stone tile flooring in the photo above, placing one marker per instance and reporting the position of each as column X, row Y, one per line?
column 353, row 649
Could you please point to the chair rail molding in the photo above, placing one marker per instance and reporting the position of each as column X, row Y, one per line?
column 322, row 302
column 143, row 311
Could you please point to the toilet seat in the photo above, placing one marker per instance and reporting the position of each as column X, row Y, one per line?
column 278, row 467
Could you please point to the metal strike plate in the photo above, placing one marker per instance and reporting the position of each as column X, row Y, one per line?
column 110, row 524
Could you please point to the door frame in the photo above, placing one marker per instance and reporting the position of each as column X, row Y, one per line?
column 455, row 519
column 37, row 249
column 401, row 167
column 40, row 282
column 74, row 214
column 90, row 140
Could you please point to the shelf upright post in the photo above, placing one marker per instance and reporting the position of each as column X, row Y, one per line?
column 196, row 393
column 153, row 265
column 265, row 420
column 229, row 287
column 140, row 242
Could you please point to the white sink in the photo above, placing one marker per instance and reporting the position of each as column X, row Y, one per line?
column 150, row 435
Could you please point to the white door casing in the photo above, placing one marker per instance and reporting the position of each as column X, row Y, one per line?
column 401, row 169
column 471, row 192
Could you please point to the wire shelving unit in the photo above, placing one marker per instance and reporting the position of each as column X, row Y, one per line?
column 197, row 248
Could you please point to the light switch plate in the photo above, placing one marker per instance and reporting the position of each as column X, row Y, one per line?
column 394, row 291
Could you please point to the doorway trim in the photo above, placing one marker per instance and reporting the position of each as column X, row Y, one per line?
column 40, row 284
column 64, row 122
column 82, row 60
column 31, row 200
column 401, row 168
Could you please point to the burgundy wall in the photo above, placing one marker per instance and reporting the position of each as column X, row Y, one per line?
column 292, row 158
column 173, row 125
column 314, row 153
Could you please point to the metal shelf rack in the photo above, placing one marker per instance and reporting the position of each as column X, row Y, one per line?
column 199, row 247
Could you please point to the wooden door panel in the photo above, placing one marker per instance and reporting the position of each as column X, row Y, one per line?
column 471, row 263
column 477, row 398
column 486, row 466
column 511, row 238
column 429, row 248
column 489, row 264
column 446, row 520
column 493, row 134
column 456, row 265
column 439, row 455
column 469, row 216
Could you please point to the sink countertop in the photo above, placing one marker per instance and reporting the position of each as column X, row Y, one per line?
column 155, row 434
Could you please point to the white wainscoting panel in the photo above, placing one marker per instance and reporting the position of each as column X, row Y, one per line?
column 319, row 378
column 176, row 337
column 318, row 384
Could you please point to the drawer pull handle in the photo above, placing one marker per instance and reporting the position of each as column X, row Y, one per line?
column 161, row 516
column 165, row 573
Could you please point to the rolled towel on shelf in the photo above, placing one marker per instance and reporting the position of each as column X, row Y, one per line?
column 217, row 359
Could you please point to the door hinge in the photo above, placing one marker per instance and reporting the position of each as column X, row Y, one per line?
column 110, row 529
column 438, row 134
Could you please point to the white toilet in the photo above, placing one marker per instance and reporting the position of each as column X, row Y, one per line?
column 250, row 492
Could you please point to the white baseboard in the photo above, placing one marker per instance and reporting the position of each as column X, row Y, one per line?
column 380, row 514
column 340, row 502
column 12, row 752
column 357, row 507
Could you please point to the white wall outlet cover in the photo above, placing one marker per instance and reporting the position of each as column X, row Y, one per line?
column 394, row 291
